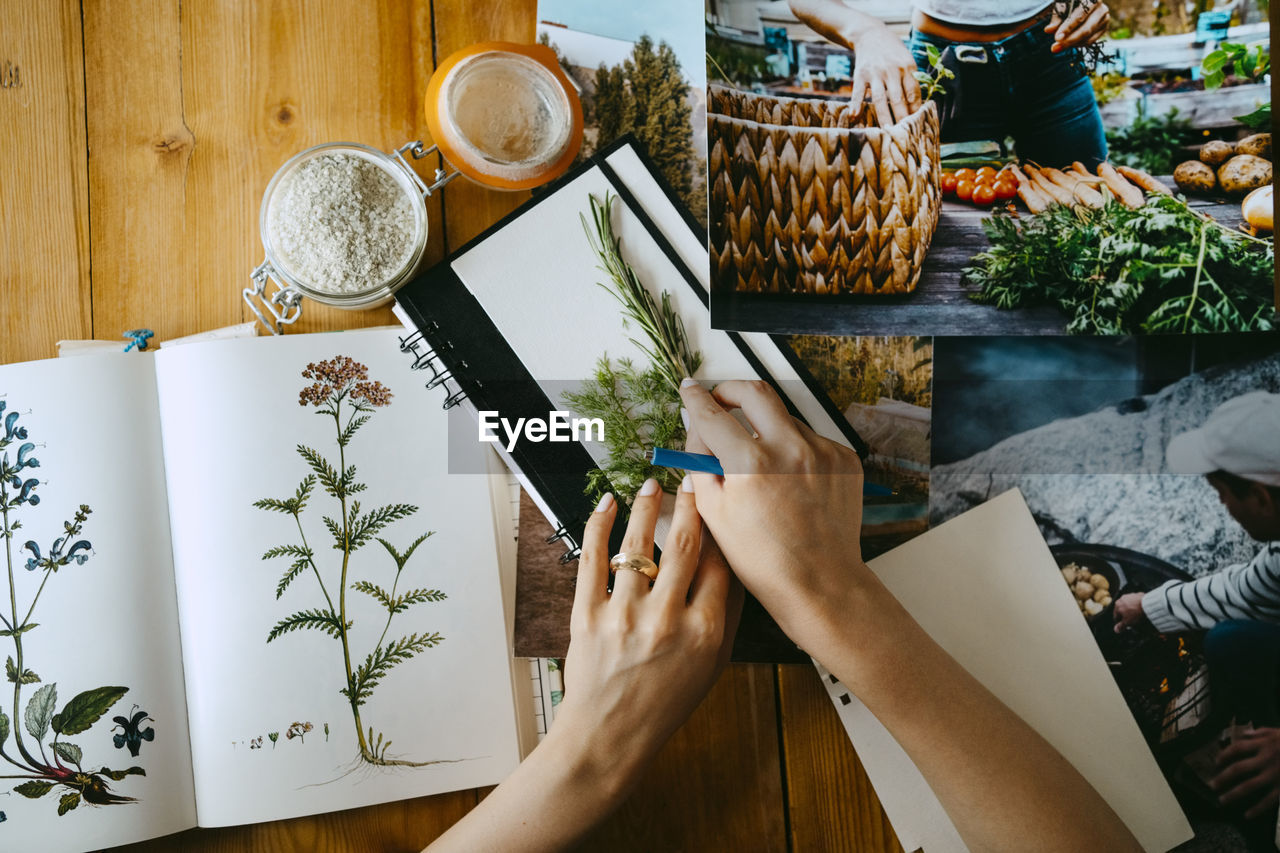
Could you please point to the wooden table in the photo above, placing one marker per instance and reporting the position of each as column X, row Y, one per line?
column 940, row 304
column 135, row 152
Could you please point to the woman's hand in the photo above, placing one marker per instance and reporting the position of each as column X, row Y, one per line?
column 883, row 68
column 884, row 71
column 1128, row 611
column 1249, row 772
column 791, row 531
column 1086, row 24
column 641, row 659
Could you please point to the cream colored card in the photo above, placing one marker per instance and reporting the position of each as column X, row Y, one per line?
column 986, row 588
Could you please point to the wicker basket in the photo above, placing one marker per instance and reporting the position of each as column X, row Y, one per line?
column 805, row 198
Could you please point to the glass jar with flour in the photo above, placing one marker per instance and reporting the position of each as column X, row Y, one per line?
column 346, row 225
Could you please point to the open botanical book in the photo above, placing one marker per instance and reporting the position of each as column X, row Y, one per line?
column 242, row 587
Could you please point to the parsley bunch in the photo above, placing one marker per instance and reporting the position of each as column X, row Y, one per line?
column 1116, row 271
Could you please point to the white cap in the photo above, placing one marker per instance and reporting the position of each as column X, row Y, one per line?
column 1241, row 437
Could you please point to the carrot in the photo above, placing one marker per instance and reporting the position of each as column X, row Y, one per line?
column 1074, row 185
column 1079, row 169
column 1143, row 180
column 1129, row 195
column 1035, row 201
column 1049, row 188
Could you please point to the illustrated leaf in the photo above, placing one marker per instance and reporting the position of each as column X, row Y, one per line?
column 335, row 530
column 287, row 551
column 401, row 559
column 68, row 751
column 417, row 596
column 68, row 802
column 367, row 526
column 40, row 710
column 34, row 789
column 85, row 708
column 383, row 597
column 323, row 620
column 11, row 673
column 117, row 775
column 329, row 479
column 20, row 631
column 303, row 492
column 274, row 505
column 4, row 728
column 292, row 572
column 345, row 437
column 381, row 660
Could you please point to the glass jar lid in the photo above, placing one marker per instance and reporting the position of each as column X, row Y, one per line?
column 505, row 115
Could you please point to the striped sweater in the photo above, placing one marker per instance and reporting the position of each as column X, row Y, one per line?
column 1245, row 591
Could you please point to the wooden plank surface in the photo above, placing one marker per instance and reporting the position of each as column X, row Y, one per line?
column 831, row 803
column 44, row 203
column 940, row 305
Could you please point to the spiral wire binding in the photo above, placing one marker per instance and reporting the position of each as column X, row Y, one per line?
column 427, row 358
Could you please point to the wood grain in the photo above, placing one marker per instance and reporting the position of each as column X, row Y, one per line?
column 192, row 109
column 831, row 803
column 468, row 207
column 44, row 204
column 717, row 785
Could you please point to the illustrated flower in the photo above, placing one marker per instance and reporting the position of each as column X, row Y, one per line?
column 23, row 461
column 131, row 734
column 25, row 490
column 12, row 432
column 56, row 558
column 338, row 375
column 298, row 730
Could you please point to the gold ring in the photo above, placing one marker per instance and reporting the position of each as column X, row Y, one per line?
column 636, row 563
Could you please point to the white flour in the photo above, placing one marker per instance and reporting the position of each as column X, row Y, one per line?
column 342, row 224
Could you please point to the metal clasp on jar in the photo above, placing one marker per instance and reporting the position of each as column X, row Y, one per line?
column 440, row 177
column 284, row 305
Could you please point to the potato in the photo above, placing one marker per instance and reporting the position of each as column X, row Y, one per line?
column 1244, row 172
column 1083, row 590
column 1259, row 211
column 1069, row 573
column 1216, row 153
column 1100, row 582
column 1093, row 608
column 1195, row 177
column 1259, row 145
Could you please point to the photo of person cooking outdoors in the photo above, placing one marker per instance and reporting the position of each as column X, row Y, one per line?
column 948, row 166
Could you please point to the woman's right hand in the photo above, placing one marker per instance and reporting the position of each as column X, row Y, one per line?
column 791, row 530
column 884, row 71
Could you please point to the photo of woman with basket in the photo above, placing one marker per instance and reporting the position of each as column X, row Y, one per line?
column 1017, row 69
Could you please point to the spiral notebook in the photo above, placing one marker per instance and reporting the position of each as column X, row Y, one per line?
column 515, row 316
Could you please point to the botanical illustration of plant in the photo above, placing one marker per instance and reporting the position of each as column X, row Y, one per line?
column 340, row 389
column 60, row 766
column 639, row 404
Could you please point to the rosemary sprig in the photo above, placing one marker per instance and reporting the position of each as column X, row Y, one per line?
column 668, row 346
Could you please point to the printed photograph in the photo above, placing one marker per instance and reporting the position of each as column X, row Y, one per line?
column 1152, row 468
column 1064, row 168
column 639, row 70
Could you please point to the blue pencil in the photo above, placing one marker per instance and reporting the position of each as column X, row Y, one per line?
column 707, row 464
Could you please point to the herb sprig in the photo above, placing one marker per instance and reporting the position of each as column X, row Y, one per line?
column 1160, row 268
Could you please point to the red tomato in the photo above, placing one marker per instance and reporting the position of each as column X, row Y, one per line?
column 984, row 196
column 1006, row 189
column 965, row 175
column 986, row 174
column 949, row 182
column 964, row 190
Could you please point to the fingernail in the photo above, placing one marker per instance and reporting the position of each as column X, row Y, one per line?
column 650, row 487
column 687, row 484
column 605, row 502
column 684, row 418
column 687, row 381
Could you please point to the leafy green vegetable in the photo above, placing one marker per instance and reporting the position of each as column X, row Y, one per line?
column 1114, row 271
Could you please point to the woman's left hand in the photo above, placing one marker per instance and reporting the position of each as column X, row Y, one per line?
column 1086, row 24
column 640, row 658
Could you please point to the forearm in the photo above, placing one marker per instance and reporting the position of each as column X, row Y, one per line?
column 1001, row 783
column 564, row 788
column 837, row 22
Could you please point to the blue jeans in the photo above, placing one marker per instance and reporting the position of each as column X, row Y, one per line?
column 1243, row 657
column 1043, row 100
